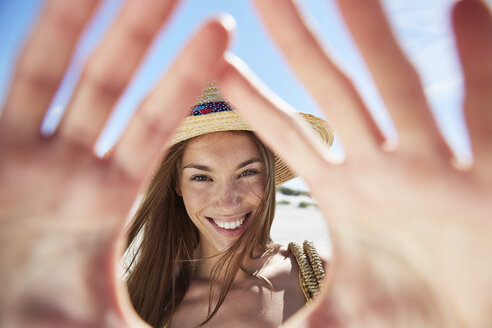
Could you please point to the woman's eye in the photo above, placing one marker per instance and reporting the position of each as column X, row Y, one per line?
column 200, row 178
column 249, row 173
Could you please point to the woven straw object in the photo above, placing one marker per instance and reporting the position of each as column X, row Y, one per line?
column 311, row 271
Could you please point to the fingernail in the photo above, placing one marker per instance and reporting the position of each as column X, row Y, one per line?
column 228, row 21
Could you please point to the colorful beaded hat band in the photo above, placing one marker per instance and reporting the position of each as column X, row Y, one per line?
column 213, row 114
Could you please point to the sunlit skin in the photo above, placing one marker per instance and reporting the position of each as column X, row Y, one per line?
column 62, row 208
column 222, row 179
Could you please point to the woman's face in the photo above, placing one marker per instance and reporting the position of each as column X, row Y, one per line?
column 222, row 182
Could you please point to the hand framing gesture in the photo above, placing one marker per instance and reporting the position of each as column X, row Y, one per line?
column 62, row 209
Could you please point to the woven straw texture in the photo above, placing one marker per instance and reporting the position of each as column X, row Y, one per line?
column 311, row 271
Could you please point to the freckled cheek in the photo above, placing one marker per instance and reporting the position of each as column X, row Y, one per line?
column 196, row 199
column 256, row 192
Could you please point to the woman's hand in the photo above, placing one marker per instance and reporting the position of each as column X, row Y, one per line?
column 406, row 199
column 62, row 209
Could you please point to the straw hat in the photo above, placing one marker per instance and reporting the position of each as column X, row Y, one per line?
column 213, row 114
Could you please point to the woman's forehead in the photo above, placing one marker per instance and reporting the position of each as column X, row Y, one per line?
column 227, row 143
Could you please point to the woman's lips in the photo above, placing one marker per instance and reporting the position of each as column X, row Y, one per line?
column 230, row 227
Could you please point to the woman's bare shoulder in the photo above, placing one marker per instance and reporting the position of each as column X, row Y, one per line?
column 280, row 264
column 283, row 263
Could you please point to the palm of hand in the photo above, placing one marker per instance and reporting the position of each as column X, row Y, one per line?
column 433, row 216
column 63, row 244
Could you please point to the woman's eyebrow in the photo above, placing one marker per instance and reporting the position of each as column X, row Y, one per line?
column 198, row 167
column 249, row 161
column 208, row 169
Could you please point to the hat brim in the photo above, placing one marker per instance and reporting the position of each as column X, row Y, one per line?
column 194, row 126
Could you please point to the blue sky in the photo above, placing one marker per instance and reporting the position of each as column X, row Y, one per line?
column 422, row 26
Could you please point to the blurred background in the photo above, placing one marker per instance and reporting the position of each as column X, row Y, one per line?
column 423, row 28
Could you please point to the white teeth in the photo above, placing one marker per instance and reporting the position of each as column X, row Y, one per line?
column 230, row 225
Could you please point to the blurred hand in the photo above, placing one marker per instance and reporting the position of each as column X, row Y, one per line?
column 411, row 201
column 62, row 209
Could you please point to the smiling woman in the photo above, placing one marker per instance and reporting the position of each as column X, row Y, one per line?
column 205, row 222
column 224, row 194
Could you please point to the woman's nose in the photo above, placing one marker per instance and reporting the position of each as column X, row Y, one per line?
column 229, row 198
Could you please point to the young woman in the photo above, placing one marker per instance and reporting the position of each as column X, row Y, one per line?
column 202, row 252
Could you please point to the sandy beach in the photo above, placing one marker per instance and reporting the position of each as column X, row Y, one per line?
column 293, row 222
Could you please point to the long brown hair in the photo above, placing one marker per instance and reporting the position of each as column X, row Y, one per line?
column 162, row 240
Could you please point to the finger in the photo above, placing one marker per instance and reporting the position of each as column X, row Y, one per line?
column 160, row 114
column 472, row 22
column 110, row 69
column 274, row 121
column 42, row 63
column 395, row 77
column 331, row 88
